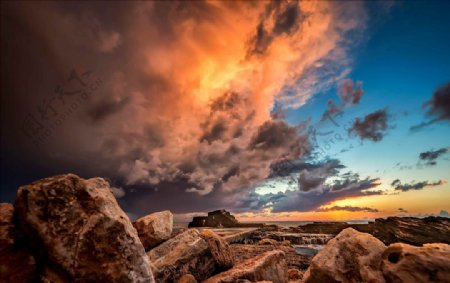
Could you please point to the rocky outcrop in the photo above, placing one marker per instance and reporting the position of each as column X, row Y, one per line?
column 199, row 254
column 409, row 230
column 333, row 228
column 349, row 257
column 220, row 219
column 405, row 263
column 154, row 228
column 412, row 230
column 78, row 232
column 16, row 264
column 269, row 266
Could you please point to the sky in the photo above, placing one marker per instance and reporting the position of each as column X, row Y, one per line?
column 272, row 110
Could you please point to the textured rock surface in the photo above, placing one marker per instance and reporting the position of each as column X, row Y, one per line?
column 349, row 257
column 154, row 228
column 188, row 252
column 76, row 227
column 187, row 278
column 294, row 260
column 405, row 263
column 6, row 225
column 16, row 265
column 269, row 266
column 413, row 231
column 219, row 249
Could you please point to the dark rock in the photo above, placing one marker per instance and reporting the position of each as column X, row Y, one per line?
column 190, row 252
column 269, row 266
column 78, row 232
column 16, row 264
column 413, row 231
column 220, row 219
column 333, row 228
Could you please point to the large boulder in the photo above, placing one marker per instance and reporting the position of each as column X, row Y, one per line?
column 405, row 263
column 199, row 254
column 78, row 231
column 154, row 228
column 351, row 256
column 269, row 266
column 16, row 264
column 412, row 230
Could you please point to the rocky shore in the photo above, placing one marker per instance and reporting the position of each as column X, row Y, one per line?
column 68, row 229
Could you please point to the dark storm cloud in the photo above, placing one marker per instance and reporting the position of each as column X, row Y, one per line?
column 313, row 199
column 286, row 17
column 439, row 104
column 284, row 168
column 438, row 107
column 430, row 157
column 372, row 127
column 315, row 177
column 103, row 109
column 159, row 126
column 277, row 134
column 347, row 208
column 398, row 186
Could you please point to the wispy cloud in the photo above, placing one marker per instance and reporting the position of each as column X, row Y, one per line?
column 347, row 208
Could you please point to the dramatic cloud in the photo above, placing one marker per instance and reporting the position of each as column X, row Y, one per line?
column 429, row 157
column 438, row 107
column 347, row 208
column 398, row 186
column 372, row 127
column 349, row 92
column 313, row 199
column 186, row 93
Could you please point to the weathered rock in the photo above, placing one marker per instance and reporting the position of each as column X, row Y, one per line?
column 16, row 264
column 295, row 274
column 266, row 241
column 6, row 225
column 293, row 259
column 413, row 231
column 187, row 278
column 269, row 266
column 219, row 249
column 405, row 263
column 349, row 257
column 154, row 228
column 190, row 252
column 78, row 230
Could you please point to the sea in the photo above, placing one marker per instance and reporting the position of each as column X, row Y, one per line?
column 285, row 224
